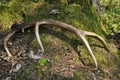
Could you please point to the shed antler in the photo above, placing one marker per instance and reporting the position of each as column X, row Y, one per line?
column 81, row 34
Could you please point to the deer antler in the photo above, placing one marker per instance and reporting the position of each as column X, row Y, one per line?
column 81, row 34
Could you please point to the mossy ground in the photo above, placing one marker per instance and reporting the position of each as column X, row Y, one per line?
column 61, row 46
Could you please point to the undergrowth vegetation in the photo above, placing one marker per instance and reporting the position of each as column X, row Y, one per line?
column 111, row 15
column 80, row 15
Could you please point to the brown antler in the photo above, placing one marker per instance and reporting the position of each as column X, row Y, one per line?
column 81, row 34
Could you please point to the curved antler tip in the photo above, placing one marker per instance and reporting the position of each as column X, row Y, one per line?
column 8, row 53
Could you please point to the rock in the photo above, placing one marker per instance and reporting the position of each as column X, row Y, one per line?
column 33, row 56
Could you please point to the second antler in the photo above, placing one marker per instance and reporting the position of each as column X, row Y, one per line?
column 81, row 34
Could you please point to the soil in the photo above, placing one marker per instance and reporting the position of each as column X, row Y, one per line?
column 64, row 65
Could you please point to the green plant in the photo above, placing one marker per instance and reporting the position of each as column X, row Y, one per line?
column 39, row 72
column 42, row 61
column 111, row 15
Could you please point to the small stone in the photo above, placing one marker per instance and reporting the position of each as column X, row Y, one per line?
column 98, row 71
column 55, row 11
column 33, row 56
column 18, row 66
column 10, row 43
column 94, row 76
column 8, row 78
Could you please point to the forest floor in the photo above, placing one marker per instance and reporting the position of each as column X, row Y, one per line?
column 65, row 56
column 63, row 62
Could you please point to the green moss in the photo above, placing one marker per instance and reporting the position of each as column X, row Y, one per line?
column 35, row 43
column 102, row 59
column 79, row 76
column 77, row 15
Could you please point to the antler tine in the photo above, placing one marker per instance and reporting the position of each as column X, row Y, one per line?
column 91, row 34
column 38, row 37
column 6, row 40
column 14, row 28
column 81, row 35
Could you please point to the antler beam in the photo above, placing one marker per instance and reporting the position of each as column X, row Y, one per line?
column 81, row 34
